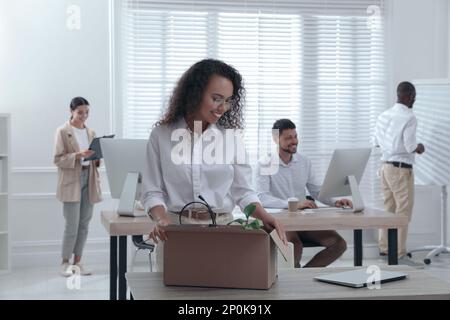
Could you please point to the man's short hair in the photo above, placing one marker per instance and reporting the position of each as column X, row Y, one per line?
column 405, row 89
column 283, row 124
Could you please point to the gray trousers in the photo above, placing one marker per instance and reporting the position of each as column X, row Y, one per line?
column 77, row 216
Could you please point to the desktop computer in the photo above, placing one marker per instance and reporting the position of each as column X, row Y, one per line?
column 124, row 162
column 344, row 174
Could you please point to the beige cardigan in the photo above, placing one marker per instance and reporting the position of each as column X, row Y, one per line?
column 69, row 168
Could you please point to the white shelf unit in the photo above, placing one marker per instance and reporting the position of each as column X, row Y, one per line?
column 5, row 163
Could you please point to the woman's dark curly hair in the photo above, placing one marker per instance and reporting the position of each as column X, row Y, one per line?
column 188, row 93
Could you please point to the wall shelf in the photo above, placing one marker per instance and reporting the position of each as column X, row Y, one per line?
column 5, row 165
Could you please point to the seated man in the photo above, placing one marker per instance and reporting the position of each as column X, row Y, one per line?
column 294, row 174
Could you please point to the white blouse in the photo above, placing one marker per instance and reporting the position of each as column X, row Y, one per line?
column 83, row 141
column 174, row 176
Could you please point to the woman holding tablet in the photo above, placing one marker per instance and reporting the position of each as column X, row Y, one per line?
column 78, row 183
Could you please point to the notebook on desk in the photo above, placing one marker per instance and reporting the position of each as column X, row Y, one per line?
column 360, row 278
column 274, row 210
column 326, row 209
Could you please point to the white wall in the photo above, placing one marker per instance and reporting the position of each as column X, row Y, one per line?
column 44, row 65
column 418, row 46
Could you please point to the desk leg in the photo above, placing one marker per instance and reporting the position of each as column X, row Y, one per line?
column 122, row 267
column 358, row 247
column 113, row 268
column 392, row 246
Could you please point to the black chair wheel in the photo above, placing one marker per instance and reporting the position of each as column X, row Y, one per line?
column 409, row 254
column 427, row 261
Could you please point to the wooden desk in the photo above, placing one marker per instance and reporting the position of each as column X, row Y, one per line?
column 295, row 284
column 121, row 227
column 343, row 220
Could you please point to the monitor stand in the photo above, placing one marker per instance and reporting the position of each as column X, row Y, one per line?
column 358, row 203
column 128, row 196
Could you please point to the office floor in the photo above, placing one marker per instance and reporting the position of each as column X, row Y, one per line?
column 46, row 283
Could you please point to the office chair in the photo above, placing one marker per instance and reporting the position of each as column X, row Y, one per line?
column 141, row 244
column 443, row 247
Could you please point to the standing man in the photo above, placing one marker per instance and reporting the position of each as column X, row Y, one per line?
column 295, row 174
column 395, row 134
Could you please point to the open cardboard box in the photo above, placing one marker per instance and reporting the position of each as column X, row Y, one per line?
column 221, row 256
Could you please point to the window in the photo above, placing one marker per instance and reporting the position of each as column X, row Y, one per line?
column 319, row 63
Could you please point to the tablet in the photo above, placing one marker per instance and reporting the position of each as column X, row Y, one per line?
column 95, row 146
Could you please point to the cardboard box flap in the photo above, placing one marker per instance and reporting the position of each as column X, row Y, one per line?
column 284, row 249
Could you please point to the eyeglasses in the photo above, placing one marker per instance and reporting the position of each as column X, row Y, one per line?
column 228, row 103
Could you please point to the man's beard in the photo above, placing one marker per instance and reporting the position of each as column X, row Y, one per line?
column 289, row 151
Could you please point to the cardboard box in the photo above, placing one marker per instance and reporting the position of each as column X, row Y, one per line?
column 222, row 256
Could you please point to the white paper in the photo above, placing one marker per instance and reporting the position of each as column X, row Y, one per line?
column 274, row 210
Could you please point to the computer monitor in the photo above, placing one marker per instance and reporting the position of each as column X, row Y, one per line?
column 344, row 175
column 124, row 162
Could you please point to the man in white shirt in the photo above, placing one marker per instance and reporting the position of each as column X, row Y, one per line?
column 395, row 134
column 294, row 175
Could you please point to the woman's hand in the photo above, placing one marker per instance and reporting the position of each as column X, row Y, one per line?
column 158, row 232
column 84, row 154
column 159, row 215
column 271, row 223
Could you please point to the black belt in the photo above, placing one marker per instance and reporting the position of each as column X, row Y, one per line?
column 400, row 164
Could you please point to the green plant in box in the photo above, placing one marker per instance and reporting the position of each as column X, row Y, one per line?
column 253, row 225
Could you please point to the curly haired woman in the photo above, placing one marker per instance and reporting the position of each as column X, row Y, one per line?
column 209, row 97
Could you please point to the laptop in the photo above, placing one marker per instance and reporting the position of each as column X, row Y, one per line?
column 359, row 278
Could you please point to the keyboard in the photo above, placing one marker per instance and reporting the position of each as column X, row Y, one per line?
column 327, row 209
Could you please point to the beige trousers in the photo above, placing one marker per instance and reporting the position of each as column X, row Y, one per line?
column 398, row 191
column 222, row 219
